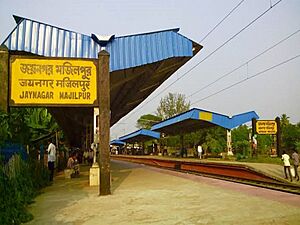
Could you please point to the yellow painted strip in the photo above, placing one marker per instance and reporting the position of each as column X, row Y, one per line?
column 207, row 116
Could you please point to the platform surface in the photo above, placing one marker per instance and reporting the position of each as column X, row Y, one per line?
column 148, row 195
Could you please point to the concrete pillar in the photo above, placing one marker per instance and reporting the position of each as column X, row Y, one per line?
column 229, row 143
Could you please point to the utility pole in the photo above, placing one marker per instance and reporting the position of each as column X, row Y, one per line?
column 104, row 121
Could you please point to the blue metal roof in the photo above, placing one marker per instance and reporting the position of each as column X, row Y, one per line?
column 141, row 134
column 117, row 142
column 125, row 51
column 139, row 63
column 204, row 119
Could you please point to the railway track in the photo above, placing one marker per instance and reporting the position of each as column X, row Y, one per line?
column 231, row 172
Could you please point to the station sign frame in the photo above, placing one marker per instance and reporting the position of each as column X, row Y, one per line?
column 52, row 81
column 268, row 127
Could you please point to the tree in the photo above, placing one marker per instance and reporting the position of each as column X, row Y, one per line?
column 290, row 136
column 290, row 133
column 40, row 122
column 23, row 125
column 216, row 139
column 240, row 133
column 284, row 120
column 147, row 121
column 171, row 105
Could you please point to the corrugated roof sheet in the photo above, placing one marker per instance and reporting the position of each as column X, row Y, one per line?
column 146, row 134
column 125, row 52
column 209, row 117
column 117, row 142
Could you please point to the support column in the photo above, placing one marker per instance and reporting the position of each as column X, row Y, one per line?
column 4, row 64
column 104, row 121
column 229, row 143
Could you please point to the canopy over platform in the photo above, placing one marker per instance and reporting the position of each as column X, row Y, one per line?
column 141, row 135
column 139, row 64
column 196, row 119
column 117, row 142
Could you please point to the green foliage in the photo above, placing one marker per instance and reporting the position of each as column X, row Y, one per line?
column 172, row 141
column 147, row 121
column 216, row 140
column 213, row 140
column 40, row 122
column 284, row 120
column 240, row 133
column 290, row 135
column 264, row 144
column 242, row 149
column 20, row 182
column 172, row 105
column 14, row 126
column 22, row 125
column 262, row 159
column 298, row 146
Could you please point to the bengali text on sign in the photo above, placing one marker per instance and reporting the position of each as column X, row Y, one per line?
column 266, row 127
column 53, row 81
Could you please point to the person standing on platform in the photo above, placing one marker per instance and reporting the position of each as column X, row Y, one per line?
column 91, row 157
column 199, row 149
column 295, row 157
column 86, row 157
column 51, row 158
column 286, row 163
column 254, row 146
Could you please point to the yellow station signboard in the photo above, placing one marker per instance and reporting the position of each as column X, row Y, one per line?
column 266, row 127
column 52, row 81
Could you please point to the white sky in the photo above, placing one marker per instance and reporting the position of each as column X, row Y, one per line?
column 270, row 94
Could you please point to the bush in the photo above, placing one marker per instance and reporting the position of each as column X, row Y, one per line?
column 20, row 182
column 242, row 149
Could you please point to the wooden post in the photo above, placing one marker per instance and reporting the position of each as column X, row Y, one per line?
column 4, row 64
column 253, row 147
column 104, row 122
column 278, row 137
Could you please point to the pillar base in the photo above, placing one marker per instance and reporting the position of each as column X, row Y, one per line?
column 230, row 153
column 94, row 175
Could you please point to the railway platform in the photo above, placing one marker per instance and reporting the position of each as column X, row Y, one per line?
column 149, row 195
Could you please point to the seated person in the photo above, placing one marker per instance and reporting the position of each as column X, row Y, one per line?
column 73, row 164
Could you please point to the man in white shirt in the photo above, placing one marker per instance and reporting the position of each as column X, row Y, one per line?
column 200, row 151
column 51, row 158
column 286, row 163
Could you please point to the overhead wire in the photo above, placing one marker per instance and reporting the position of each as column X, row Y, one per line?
column 208, row 56
column 221, row 21
column 246, row 63
column 248, row 78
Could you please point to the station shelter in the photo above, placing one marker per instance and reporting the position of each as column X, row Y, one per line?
column 196, row 119
column 140, row 137
column 138, row 65
column 116, row 146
